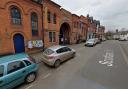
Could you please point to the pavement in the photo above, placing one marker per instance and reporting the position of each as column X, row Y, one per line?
column 38, row 55
column 104, row 66
column 124, row 45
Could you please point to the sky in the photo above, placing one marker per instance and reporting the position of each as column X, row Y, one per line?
column 113, row 14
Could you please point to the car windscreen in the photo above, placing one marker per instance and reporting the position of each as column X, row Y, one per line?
column 48, row 51
column 91, row 40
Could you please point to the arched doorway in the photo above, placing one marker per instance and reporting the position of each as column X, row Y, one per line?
column 18, row 41
column 64, row 37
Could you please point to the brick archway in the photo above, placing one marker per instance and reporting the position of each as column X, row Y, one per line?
column 64, row 36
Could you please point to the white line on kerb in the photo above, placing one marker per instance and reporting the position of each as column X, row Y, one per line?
column 30, row 86
column 46, row 75
column 58, row 69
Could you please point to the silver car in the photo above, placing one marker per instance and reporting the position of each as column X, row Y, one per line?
column 90, row 42
column 54, row 55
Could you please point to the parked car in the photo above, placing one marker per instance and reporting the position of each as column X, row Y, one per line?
column 90, row 42
column 123, row 39
column 53, row 56
column 16, row 69
column 103, row 39
column 98, row 41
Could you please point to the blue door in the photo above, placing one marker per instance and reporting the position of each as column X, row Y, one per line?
column 19, row 43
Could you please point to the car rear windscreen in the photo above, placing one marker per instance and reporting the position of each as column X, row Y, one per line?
column 48, row 51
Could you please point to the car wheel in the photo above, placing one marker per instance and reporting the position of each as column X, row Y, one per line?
column 74, row 54
column 30, row 78
column 57, row 63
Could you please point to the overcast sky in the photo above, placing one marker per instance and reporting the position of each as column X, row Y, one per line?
column 112, row 13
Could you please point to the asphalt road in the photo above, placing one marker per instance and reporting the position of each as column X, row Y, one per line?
column 104, row 66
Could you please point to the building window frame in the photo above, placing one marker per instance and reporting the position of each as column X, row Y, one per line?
column 77, row 25
column 34, row 24
column 15, row 15
column 49, row 16
column 52, row 37
column 54, row 18
column 74, row 24
column 37, row 1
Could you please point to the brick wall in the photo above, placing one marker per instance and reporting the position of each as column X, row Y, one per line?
column 8, row 30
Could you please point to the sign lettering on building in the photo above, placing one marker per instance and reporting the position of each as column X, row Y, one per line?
column 35, row 44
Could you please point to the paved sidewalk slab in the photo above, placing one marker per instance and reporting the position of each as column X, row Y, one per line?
column 38, row 55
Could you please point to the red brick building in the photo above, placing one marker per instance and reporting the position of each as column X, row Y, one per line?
column 68, row 27
column 20, row 22
column 80, row 27
column 84, row 27
column 27, row 25
column 92, row 28
column 66, row 30
column 51, row 22
column 75, row 26
column 101, row 32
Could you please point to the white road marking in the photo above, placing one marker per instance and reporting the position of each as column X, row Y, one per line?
column 46, row 76
column 108, row 58
column 29, row 86
column 60, row 67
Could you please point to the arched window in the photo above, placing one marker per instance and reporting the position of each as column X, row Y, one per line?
column 15, row 16
column 54, row 18
column 49, row 17
column 34, row 24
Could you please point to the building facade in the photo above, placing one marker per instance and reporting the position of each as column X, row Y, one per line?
column 61, row 27
column 101, row 32
column 28, row 25
column 83, row 28
column 20, row 22
column 51, row 23
column 92, row 28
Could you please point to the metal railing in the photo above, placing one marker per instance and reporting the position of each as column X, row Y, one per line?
column 16, row 21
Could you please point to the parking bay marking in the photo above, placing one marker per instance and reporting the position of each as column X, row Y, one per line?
column 30, row 86
column 108, row 58
column 46, row 76
column 43, row 78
